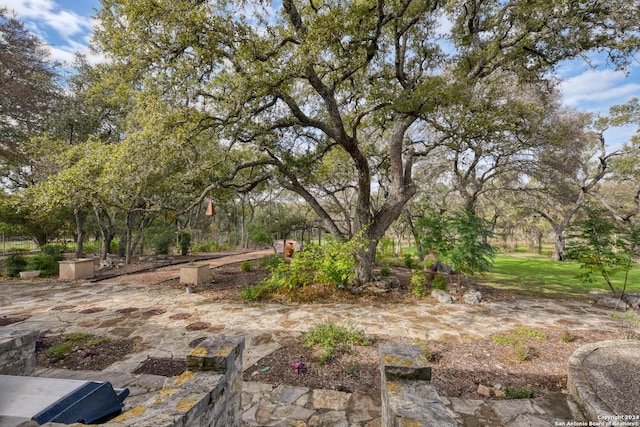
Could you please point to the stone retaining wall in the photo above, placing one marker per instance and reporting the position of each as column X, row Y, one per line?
column 408, row 398
column 207, row 394
column 17, row 351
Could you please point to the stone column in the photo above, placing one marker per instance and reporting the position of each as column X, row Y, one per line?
column 408, row 398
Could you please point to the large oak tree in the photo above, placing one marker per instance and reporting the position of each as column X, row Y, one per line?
column 289, row 85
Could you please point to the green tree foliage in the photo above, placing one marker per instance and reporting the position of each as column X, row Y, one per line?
column 459, row 239
column 28, row 89
column 287, row 86
column 602, row 248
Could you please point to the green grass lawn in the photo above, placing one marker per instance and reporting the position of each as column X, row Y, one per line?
column 536, row 275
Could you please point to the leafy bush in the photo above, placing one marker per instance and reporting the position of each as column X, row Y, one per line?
column 246, row 266
column 519, row 392
column 184, row 242
column 331, row 339
column 385, row 272
column 14, row 264
column 271, row 261
column 332, row 264
column 47, row 265
column 418, row 283
column 53, row 251
column 92, row 247
column 60, row 350
column 531, row 333
column 439, row 282
column 47, row 260
column 205, row 246
column 409, row 261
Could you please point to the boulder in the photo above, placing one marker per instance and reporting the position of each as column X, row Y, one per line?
column 392, row 282
column 442, row 296
column 632, row 299
column 611, row 302
column 597, row 294
column 472, row 297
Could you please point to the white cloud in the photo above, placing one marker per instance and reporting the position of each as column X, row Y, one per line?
column 602, row 87
column 65, row 31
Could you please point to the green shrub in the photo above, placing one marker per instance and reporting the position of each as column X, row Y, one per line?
column 331, row 264
column 439, row 282
column 332, row 339
column 409, row 261
column 77, row 336
column 519, row 392
column 47, row 259
column 92, row 247
column 184, row 242
column 246, row 266
column 418, row 283
column 54, row 251
column 257, row 292
column 61, row 350
column 205, row 246
column 504, row 340
column 47, row 265
column 271, row 261
column 162, row 241
column 14, row 264
column 385, row 272
column 531, row 333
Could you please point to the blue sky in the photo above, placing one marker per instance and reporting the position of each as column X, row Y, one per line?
column 66, row 26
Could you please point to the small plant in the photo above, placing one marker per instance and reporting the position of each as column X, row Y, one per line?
column 352, row 369
column 531, row 333
column 439, row 282
column 332, row 339
column 61, row 350
column 246, row 266
column 14, row 264
column 629, row 321
column 566, row 336
column 519, row 392
column 385, row 272
column 418, row 283
column 524, row 353
column 504, row 340
column 76, row 336
column 97, row 341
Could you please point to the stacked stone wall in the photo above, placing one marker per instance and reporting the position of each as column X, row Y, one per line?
column 17, row 351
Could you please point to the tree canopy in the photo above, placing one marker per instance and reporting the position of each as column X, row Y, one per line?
column 285, row 87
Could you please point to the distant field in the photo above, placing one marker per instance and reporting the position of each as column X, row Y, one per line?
column 537, row 275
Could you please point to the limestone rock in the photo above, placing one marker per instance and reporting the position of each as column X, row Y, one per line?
column 611, row 302
column 441, row 296
column 392, row 282
column 483, row 391
column 472, row 297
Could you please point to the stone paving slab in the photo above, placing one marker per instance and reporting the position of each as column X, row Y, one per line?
column 165, row 318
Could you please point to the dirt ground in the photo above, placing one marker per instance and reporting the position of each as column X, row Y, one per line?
column 509, row 366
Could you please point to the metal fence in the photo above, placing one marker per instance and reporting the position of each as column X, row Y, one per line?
column 10, row 244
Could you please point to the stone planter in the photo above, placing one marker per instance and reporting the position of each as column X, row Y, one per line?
column 29, row 274
column 195, row 274
column 76, row 269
